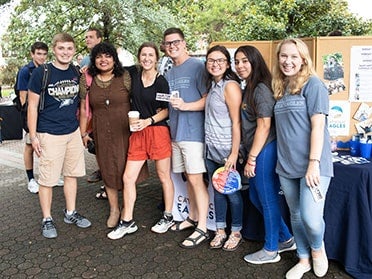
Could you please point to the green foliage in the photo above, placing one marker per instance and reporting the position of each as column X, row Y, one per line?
column 278, row 19
column 2, row 2
column 8, row 75
column 125, row 23
column 222, row 20
column 128, row 23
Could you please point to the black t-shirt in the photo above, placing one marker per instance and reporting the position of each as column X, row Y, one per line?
column 144, row 98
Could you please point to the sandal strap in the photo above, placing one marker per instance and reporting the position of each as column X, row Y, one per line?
column 233, row 240
column 218, row 239
column 202, row 233
column 194, row 240
column 192, row 222
column 220, row 235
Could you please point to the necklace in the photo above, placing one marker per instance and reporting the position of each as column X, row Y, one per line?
column 149, row 78
column 107, row 94
column 106, row 80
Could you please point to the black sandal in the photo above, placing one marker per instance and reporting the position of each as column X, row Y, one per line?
column 177, row 227
column 101, row 195
column 195, row 240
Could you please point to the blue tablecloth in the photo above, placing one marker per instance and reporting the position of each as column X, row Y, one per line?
column 348, row 218
column 347, row 214
column 11, row 126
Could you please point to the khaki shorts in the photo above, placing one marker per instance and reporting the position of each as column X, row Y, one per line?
column 188, row 156
column 27, row 138
column 60, row 154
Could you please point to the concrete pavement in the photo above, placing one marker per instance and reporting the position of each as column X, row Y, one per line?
column 88, row 253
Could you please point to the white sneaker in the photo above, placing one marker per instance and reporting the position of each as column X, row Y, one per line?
column 60, row 181
column 163, row 225
column 297, row 271
column 320, row 264
column 33, row 187
column 122, row 229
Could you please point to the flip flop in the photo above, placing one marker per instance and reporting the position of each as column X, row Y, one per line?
column 177, row 227
column 195, row 240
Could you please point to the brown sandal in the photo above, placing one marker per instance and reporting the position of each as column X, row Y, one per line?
column 218, row 241
column 233, row 242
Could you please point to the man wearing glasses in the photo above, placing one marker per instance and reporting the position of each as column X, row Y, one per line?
column 186, row 115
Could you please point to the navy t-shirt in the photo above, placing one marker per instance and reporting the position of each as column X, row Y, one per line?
column 61, row 100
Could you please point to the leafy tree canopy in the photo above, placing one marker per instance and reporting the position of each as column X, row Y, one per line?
column 240, row 20
column 128, row 23
column 125, row 23
column 2, row 2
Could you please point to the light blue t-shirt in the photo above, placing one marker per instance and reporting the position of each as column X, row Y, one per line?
column 293, row 127
column 85, row 61
column 190, row 80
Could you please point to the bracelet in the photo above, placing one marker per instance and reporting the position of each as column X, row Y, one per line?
column 250, row 155
column 84, row 135
column 314, row 160
column 152, row 120
column 252, row 165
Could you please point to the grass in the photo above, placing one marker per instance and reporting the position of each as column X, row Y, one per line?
column 5, row 92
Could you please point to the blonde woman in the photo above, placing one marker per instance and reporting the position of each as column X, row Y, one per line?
column 304, row 152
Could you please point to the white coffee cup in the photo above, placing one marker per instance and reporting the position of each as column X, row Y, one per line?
column 133, row 116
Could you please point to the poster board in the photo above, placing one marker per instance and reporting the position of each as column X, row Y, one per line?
column 323, row 50
column 341, row 47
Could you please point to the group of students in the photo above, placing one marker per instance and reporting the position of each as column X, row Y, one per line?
column 276, row 125
column 280, row 121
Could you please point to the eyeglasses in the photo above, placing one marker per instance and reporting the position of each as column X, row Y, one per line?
column 175, row 43
column 219, row 61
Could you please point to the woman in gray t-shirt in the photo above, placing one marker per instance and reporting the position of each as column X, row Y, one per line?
column 260, row 154
column 304, row 154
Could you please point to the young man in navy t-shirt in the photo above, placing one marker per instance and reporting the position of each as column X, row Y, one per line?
column 39, row 53
column 54, row 133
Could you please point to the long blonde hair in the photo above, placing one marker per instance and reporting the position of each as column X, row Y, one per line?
column 294, row 84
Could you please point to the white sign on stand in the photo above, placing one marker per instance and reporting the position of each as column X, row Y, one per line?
column 181, row 202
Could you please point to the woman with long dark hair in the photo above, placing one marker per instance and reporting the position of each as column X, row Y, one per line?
column 259, row 150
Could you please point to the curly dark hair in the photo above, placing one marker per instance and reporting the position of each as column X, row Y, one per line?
column 105, row 48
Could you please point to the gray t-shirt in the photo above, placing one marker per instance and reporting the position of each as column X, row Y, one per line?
column 293, row 126
column 264, row 107
column 218, row 125
column 189, row 79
